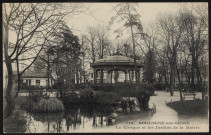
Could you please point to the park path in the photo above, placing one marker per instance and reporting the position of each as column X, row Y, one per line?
column 163, row 112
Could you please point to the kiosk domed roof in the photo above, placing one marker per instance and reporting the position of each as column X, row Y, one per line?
column 115, row 58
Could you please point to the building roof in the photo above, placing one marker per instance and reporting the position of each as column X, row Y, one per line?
column 116, row 60
column 35, row 74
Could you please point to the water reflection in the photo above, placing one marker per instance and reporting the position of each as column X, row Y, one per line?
column 74, row 118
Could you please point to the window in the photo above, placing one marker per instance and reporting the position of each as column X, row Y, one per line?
column 37, row 82
column 29, row 82
column 92, row 75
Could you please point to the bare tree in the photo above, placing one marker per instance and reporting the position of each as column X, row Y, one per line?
column 172, row 27
column 127, row 13
column 162, row 65
column 196, row 40
column 91, row 39
column 33, row 24
column 102, row 40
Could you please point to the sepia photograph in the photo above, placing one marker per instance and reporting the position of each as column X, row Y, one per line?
column 115, row 67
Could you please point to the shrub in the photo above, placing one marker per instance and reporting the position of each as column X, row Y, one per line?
column 159, row 86
column 146, row 87
column 25, row 102
column 106, row 87
column 33, row 87
column 48, row 105
column 82, row 85
column 125, row 89
column 71, row 97
column 55, row 86
column 106, row 98
column 88, row 96
column 35, row 96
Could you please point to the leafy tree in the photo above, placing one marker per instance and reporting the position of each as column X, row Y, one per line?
column 149, row 72
column 65, row 62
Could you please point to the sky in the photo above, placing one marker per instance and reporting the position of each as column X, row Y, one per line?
column 102, row 13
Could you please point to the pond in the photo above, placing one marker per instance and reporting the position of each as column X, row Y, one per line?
column 73, row 119
column 86, row 118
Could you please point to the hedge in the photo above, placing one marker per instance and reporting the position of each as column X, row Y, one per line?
column 89, row 96
column 125, row 89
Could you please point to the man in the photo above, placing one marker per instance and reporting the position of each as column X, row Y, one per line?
column 143, row 99
column 124, row 106
column 131, row 104
column 147, row 98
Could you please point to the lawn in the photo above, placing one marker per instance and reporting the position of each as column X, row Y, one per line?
column 190, row 107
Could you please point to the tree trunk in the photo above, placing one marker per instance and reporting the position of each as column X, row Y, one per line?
column 171, row 83
column 9, row 98
column 133, row 40
column 135, row 64
column 180, row 86
column 166, row 82
column 77, row 77
column 60, row 88
column 192, row 70
column 19, row 79
column 200, row 82
column 84, row 75
column 171, row 78
column 48, row 72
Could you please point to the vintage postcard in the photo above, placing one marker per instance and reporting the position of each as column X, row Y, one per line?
column 105, row 67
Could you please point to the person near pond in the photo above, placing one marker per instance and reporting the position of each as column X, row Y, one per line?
column 143, row 99
column 140, row 100
column 131, row 105
column 112, row 118
column 147, row 98
column 124, row 106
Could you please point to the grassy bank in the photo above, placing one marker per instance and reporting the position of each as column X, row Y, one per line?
column 190, row 107
column 16, row 123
